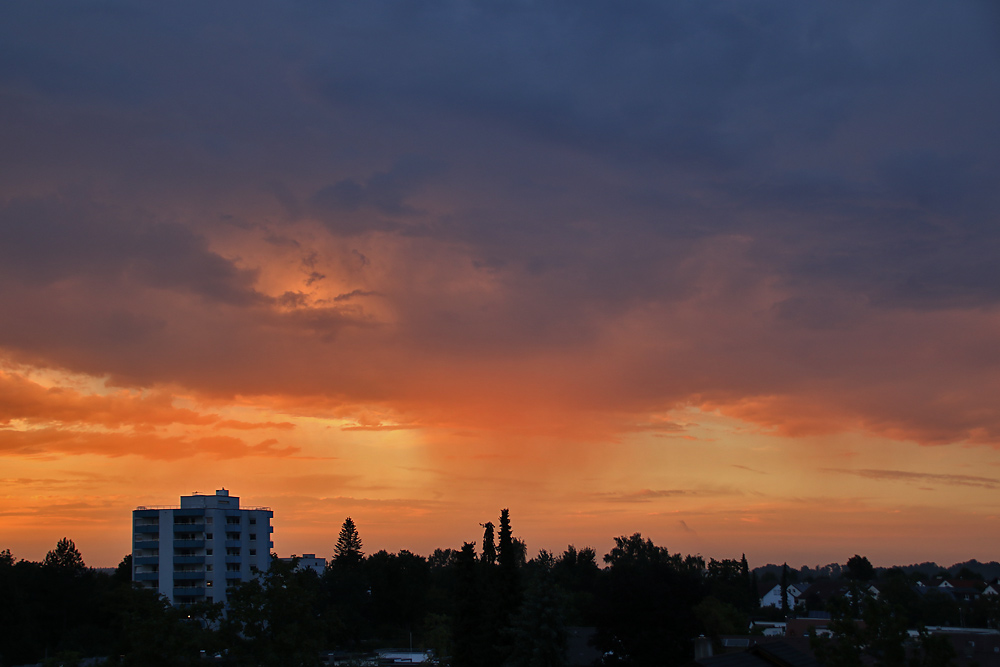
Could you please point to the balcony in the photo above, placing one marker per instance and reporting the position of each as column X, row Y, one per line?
column 233, row 575
column 189, row 544
column 146, row 576
column 188, row 576
column 189, row 527
column 234, row 559
column 192, row 591
column 154, row 528
column 189, row 560
column 147, row 544
column 146, row 560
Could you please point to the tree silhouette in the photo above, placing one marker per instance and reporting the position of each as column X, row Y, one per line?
column 348, row 548
column 506, row 557
column 784, row 588
column 645, row 601
column 859, row 568
column 65, row 558
column 538, row 635
column 489, row 544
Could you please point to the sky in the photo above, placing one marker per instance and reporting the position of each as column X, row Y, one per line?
column 721, row 273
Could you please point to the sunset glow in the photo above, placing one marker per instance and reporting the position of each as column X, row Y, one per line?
column 725, row 275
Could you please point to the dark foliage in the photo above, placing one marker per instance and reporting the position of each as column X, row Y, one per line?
column 472, row 607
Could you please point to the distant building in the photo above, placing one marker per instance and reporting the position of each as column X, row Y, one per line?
column 308, row 562
column 195, row 551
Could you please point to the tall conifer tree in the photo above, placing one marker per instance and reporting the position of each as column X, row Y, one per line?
column 489, row 544
column 348, row 549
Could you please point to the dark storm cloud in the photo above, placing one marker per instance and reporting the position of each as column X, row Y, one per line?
column 50, row 239
column 751, row 190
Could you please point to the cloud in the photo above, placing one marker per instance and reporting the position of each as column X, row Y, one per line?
column 648, row 495
column 245, row 426
column 22, row 399
column 777, row 214
column 50, row 442
column 45, row 240
column 922, row 477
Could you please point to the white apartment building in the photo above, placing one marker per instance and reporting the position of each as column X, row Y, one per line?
column 195, row 551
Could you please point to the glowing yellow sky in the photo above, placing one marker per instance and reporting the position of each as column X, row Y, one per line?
column 81, row 456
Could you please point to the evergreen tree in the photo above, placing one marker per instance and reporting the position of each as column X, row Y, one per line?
column 506, row 591
column 507, row 557
column 470, row 628
column 489, row 544
column 348, row 548
column 784, row 588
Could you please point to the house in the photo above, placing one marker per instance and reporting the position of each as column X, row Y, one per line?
column 963, row 590
column 195, row 551
column 771, row 597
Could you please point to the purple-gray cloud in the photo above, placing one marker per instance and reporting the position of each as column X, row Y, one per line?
column 772, row 201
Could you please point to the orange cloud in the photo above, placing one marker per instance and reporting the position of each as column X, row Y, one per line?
column 22, row 399
column 50, row 442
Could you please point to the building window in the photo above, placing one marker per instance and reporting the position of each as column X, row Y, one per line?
column 208, row 520
column 208, row 536
column 253, row 522
column 253, row 536
column 208, row 584
column 208, row 552
column 253, row 552
column 208, row 568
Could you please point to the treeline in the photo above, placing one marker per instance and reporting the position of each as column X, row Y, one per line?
column 970, row 569
column 484, row 605
column 488, row 605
